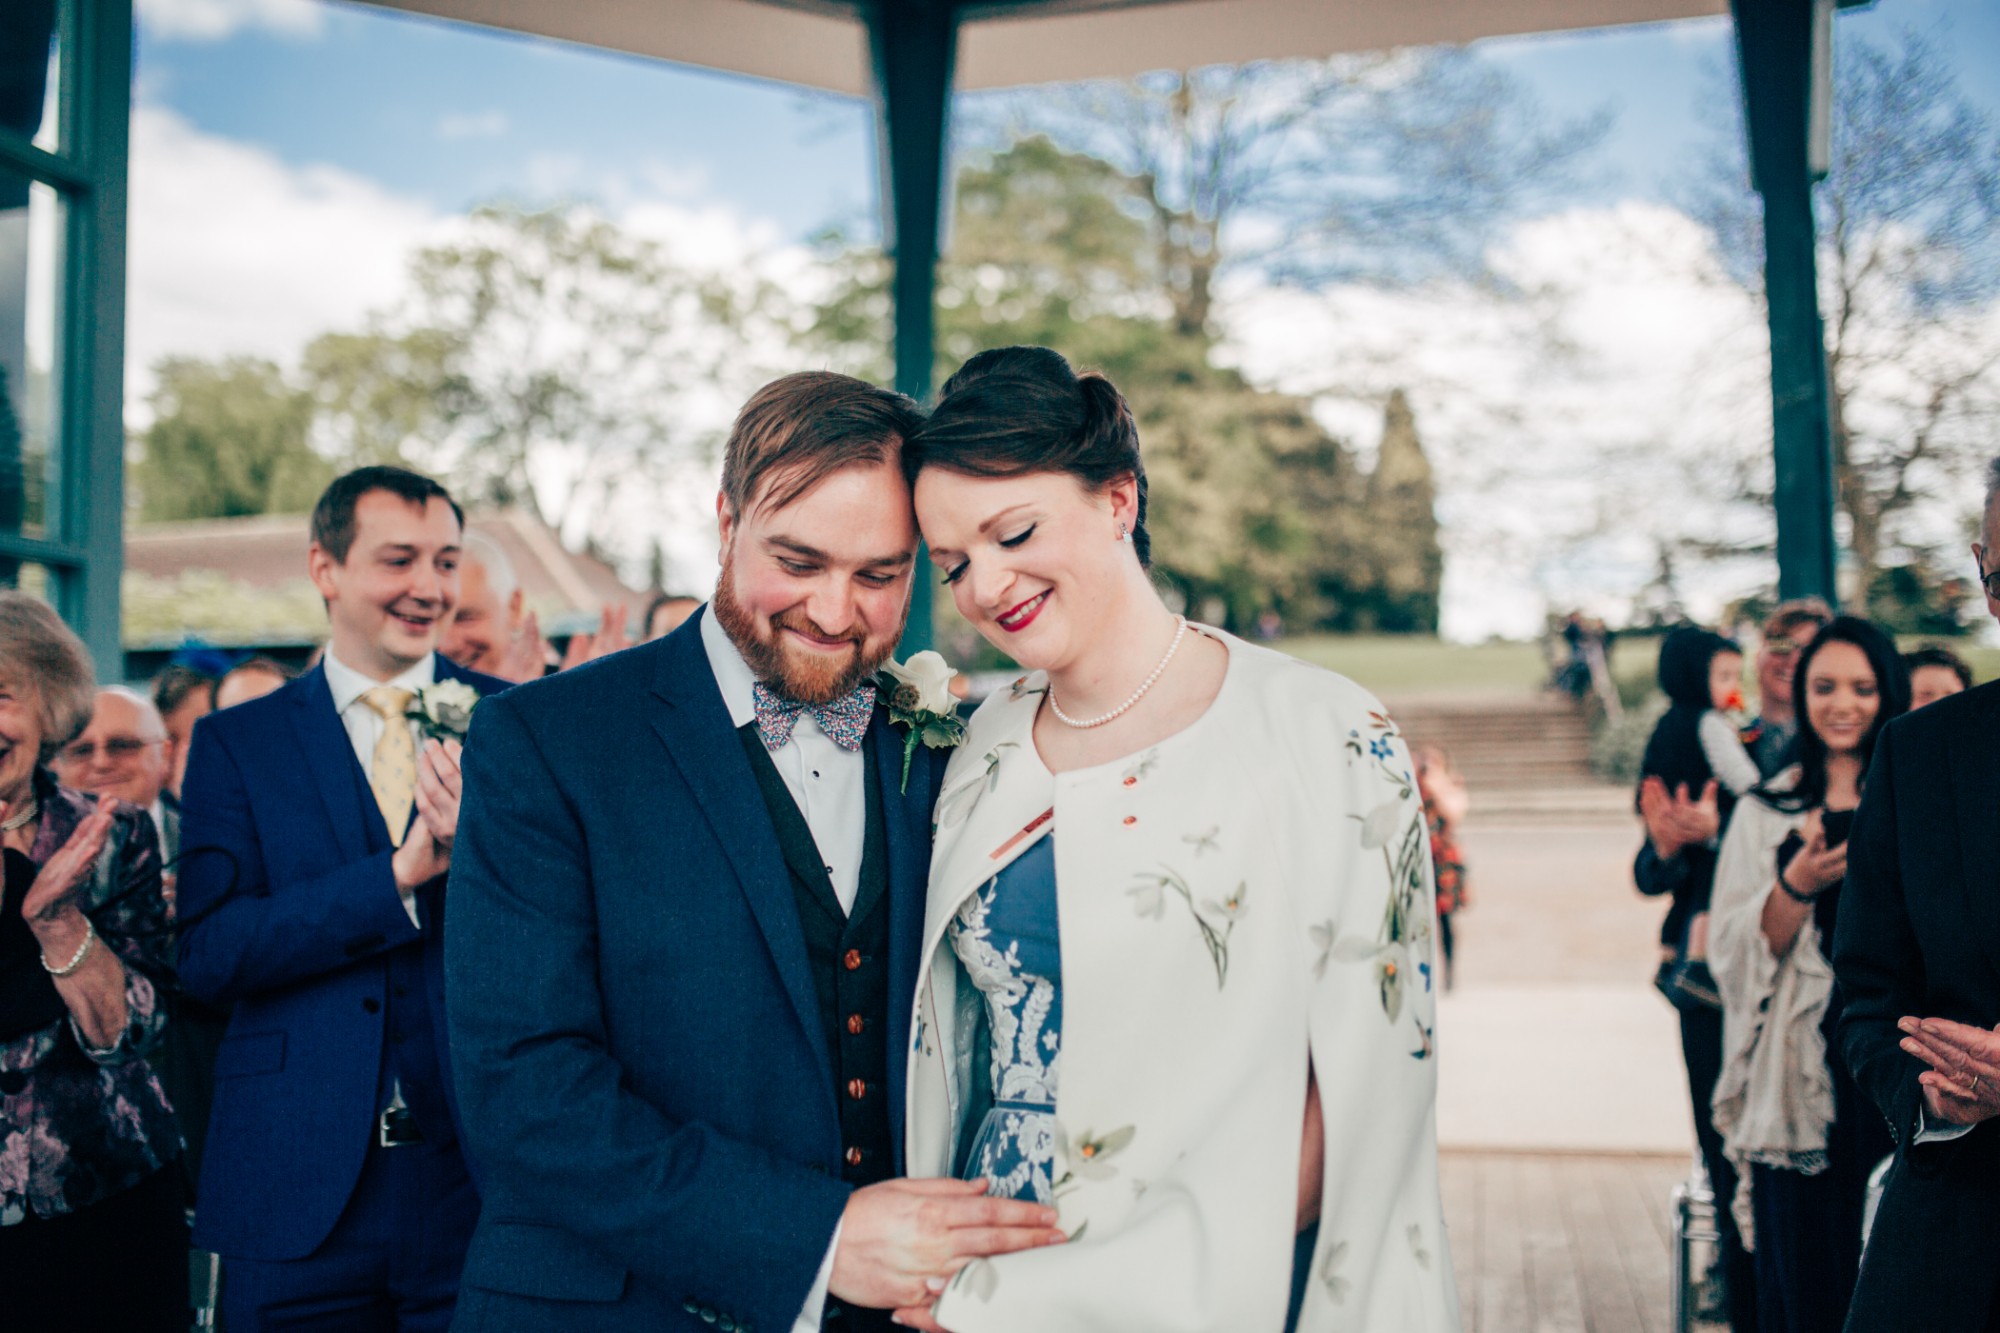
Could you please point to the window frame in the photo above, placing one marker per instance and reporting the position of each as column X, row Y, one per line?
column 84, row 550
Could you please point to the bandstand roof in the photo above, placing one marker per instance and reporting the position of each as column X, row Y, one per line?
column 823, row 44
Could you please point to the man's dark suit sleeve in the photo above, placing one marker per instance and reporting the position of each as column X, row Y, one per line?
column 239, row 933
column 545, row 1103
column 1875, row 956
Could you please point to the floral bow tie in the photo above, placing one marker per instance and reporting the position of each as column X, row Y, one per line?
column 845, row 720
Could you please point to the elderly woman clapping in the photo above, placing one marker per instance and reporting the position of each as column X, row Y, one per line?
column 92, row 1221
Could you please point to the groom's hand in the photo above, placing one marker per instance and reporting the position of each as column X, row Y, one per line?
column 900, row 1234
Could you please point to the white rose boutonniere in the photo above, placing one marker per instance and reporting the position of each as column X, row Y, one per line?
column 918, row 693
column 444, row 709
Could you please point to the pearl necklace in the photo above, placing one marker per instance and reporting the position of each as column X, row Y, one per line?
column 1138, row 694
column 23, row 817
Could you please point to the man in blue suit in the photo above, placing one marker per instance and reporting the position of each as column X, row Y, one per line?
column 318, row 823
column 688, row 900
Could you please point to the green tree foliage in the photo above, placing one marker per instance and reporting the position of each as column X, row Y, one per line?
column 545, row 358
column 228, row 438
column 1253, row 504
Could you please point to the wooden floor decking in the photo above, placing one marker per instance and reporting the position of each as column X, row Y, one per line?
column 1561, row 1243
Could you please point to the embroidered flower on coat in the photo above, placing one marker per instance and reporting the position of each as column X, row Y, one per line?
column 1337, row 1286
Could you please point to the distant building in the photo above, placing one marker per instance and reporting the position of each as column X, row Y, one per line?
column 240, row 583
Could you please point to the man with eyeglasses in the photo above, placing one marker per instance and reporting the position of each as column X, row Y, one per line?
column 123, row 753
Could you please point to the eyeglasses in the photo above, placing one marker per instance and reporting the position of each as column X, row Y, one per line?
column 1990, row 582
column 117, row 749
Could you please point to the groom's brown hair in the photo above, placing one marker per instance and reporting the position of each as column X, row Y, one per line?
column 797, row 431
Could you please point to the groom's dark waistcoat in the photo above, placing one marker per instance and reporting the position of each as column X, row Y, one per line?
column 848, row 953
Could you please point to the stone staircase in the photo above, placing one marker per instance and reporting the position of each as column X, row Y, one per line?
column 1523, row 756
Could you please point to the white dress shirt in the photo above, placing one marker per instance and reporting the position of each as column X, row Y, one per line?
column 827, row 782
column 364, row 725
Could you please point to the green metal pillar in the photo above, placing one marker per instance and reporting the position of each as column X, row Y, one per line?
column 99, row 119
column 914, row 44
column 1774, row 45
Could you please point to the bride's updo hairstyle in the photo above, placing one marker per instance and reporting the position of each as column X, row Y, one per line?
column 1016, row 410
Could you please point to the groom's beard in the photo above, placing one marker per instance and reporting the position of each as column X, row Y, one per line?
column 810, row 678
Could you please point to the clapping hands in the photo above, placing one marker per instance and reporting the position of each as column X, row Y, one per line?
column 426, row 850
column 1962, row 1085
column 50, row 908
column 1676, row 820
column 609, row 638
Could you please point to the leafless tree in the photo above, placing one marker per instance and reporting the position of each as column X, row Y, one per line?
column 1394, row 167
column 1909, row 222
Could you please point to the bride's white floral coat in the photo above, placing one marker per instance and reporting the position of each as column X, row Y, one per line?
column 1252, row 885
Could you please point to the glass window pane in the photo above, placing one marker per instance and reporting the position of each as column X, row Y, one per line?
column 31, row 234
column 28, row 70
column 29, row 577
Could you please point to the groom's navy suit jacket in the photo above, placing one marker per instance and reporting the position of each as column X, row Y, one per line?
column 288, row 911
column 648, row 1100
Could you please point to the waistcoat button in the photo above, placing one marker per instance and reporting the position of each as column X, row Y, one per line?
column 852, row 962
column 856, row 1089
column 854, row 1157
column 855, row 1022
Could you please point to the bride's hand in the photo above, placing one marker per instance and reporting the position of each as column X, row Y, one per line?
column 919, row 1317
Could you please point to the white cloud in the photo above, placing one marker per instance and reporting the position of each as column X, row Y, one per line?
column 1573, row 429
column 213, row 20
column 233, row 251
column 473, row 125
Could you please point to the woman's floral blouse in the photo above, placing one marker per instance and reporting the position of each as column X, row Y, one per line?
column 79, row 1125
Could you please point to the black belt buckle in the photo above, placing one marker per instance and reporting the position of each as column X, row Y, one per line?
column 398, row 1128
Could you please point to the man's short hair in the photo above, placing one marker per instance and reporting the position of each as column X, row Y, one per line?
column 665, row 599
column 482, row 550
column 1789, row 615
column 799, row 430
column 1992, row 484
column 269, row 666
column 1937, row 655
column 333, row 516
column 148, row 710
column 173, row 685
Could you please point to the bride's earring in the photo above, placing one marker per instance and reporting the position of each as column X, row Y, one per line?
column 1124, row 533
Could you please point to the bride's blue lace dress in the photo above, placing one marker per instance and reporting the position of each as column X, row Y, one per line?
column 1005, row 938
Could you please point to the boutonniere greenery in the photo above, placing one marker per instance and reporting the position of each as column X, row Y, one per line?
column 444, row 709
column 919, row 697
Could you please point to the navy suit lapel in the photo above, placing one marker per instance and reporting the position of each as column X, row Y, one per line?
column 906, row 818
column 693, row 724
column 330, row 757
column 1975, row 782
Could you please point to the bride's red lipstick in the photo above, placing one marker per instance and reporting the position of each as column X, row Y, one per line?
column 1026, row 611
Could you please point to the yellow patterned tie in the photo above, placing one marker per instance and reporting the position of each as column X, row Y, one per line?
column 393, row 775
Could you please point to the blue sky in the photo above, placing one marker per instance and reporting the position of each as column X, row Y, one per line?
column 455, row 115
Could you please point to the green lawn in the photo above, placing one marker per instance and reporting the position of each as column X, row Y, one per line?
column 1410, row 664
